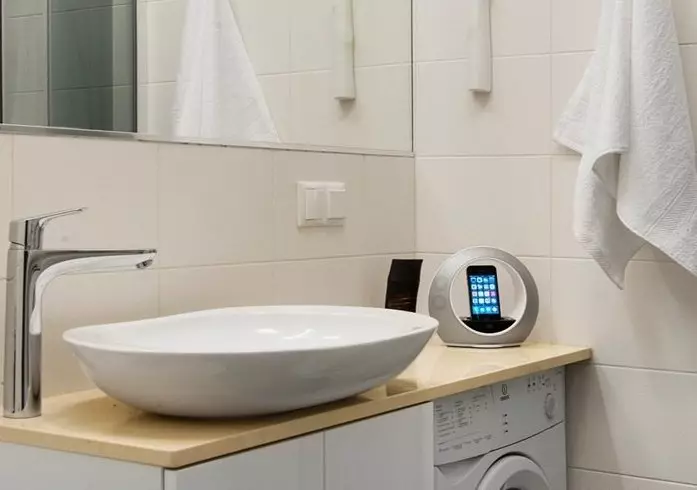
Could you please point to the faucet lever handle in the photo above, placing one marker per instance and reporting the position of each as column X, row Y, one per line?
column 29, row 232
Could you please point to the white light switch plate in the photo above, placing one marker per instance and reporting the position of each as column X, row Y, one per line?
column 321, row 204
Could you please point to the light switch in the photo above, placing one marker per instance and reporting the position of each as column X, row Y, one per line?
column 321, row 203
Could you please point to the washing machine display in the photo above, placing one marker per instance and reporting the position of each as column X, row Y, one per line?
column 505, row 436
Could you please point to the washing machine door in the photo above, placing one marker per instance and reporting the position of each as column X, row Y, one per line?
column 514, row 473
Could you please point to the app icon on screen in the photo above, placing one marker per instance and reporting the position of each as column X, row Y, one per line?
column 487, row 301
column 475, row 310
column 495, row 309
column 480, row 287
column 493, row 301
column 487, row 293
column 488, row 309
column 485, row 280
column 473, row 280
column 479, row 280
column 474, row 287
column 493, row 293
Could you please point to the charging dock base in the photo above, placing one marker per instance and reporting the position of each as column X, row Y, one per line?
column 489, row 326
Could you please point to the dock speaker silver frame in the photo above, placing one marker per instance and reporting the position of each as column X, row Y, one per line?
column 458, row 332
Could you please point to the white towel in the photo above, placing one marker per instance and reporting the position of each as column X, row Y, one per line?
column 218, row 94
column 629, row 118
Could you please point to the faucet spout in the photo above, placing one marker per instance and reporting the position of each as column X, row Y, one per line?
column 29, row 271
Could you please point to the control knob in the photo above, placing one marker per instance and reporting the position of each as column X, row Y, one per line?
column 550, row 406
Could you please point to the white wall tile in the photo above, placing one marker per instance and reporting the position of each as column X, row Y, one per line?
column 2, row 337
column 593, row 480
column 518, row 28
column 164, row 26
column 574, row 24
column 277, row 93
column 322, row 282
column 686, row 20
column 502, row 202
column 567, row 71
column 380, row 117
column 439, row 30
column 155, row 105
column 649, row 325
column 632, row 421
column 292, row 242
column 265, row 27
column 215, row 205
column 513, row 119
column 564, row 171
column 6, row 145
column 388, row 201
column 311, row 35
column 89, row 299
column 202, row 288
column 382, row 32
column 114, row 179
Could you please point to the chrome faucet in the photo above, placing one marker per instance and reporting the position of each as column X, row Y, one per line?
column 29, row 270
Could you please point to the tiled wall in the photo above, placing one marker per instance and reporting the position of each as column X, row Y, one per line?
column 289, row 43
column 223, row 220
column 86, row 77
column 488, row 173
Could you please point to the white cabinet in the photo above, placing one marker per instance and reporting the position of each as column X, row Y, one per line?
column 389, row 452
column 290, row 465
column 30, row 468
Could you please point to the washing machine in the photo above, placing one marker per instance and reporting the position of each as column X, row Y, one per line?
column 508, row 436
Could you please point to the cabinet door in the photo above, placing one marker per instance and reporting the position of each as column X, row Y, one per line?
column 291, row 465
column 31, row 468
column 389, row 452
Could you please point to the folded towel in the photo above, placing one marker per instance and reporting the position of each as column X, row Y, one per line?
column 629, row 118
column 218, row 94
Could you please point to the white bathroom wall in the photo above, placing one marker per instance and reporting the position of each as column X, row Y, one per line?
column 289, row 43
column 223, row 220
column 487, row 172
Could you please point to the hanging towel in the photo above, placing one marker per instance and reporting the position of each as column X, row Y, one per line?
column 218, row 94
column 629, row 118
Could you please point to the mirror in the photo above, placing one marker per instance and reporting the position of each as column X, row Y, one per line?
column 298, row 72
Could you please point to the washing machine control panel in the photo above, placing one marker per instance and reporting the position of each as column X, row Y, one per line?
column 479, row 421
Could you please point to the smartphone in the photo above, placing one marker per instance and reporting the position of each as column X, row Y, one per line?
column 483, row 287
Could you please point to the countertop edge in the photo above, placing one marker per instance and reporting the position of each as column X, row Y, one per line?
column 283, row 430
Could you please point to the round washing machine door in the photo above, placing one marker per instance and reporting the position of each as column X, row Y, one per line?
column 514, row 473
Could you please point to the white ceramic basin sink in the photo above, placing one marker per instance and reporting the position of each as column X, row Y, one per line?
column 249, row 361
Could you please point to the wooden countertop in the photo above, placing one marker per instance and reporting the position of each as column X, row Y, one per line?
column 91, row 423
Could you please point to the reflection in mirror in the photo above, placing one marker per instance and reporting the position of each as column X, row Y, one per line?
column 308, row 72
column 69, row 63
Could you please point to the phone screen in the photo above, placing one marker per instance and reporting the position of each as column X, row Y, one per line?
column 483, row 287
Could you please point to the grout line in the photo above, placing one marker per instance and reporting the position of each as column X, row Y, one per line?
column 647, row 479
column 157, row 268
column 646, row 369
column 497, row 156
